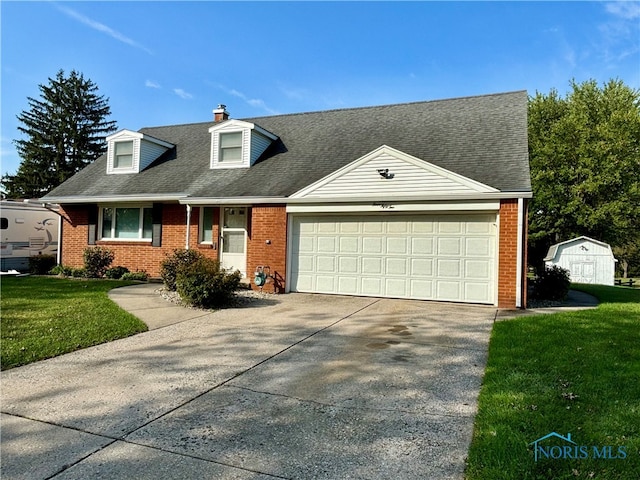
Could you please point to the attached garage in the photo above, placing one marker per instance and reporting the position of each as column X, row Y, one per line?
column 419, row 256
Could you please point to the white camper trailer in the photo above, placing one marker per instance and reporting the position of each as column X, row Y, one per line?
column 26, row 230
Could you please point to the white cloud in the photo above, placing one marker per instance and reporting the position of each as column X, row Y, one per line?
column 254, row 102
column 182, row 94
column 152, row 84
column 624, row 10
column 101, row 27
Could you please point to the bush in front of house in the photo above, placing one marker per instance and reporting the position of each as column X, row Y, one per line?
column 116, row 273
column 97, row 260
column 205, row 284
column 552, row 283
column 140, row 276
column 179, row 259
column 41, row 264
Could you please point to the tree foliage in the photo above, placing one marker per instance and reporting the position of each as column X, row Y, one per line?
column 63, row 131
column 584, row 152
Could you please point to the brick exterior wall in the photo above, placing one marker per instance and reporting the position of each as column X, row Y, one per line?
column 507, row 255
column 133, row 255
column 268, row 223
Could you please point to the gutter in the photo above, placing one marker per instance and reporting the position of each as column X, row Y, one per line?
column 162, row 197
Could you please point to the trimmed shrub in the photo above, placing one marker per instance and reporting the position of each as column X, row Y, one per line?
column 552, row 284
column 173, row 263
column 78, row 272
column 139, row 276
column 116, row 273
column 41, row 264
column 97, row 261
column 205, row 284
column 61, row 270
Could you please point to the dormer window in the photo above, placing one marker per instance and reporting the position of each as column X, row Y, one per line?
column 238, row 144
column 230, row 147
column 132, row 152
column 123, row 155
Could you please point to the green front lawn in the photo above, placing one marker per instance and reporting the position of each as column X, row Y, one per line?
column 576, row 373
column 43, row 317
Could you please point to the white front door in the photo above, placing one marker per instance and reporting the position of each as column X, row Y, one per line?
column 233, row 239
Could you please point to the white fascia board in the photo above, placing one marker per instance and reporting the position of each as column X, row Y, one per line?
column 231, row 200
column 380, row 207
column 385, row 149
column 414, row 198
column 168, row 197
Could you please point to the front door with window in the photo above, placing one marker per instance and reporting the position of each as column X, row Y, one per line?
column 233, row 253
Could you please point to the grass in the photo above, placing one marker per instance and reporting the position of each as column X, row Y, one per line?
column 575, row 372
column 43, row 317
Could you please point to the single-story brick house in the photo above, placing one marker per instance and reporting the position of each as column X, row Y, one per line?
column 424, row 200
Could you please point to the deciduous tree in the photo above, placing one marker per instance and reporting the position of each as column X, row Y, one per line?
column 584, row 150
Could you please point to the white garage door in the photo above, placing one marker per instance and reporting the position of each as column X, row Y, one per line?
column 430, row 257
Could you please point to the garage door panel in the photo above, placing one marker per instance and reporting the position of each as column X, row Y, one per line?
column 421, row 289
column 448, row 268
column 422, row 256
column 372, row 245
column 476, row 292
column 372, row 265
column 327, row 226
column 479, row 269
column 397, row 245
column 421, row 267
column 449, row 246
column 422, row 246
column 396, row 266
column 348, row 265
column 348, row 285
column 349, row 245
column 326, row 264
column 326, row 283
column 396, row 287
column 477, row 246
column 326, row 244
column 448, row 290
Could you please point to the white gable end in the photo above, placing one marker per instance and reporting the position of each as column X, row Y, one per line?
column 387, row 172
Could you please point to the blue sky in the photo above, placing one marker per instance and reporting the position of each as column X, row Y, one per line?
column 162, row 63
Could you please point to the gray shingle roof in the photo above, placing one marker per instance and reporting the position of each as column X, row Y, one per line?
column 483, row 138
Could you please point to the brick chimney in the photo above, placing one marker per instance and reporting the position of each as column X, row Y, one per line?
column 220, row 114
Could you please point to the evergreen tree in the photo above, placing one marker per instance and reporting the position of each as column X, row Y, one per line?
column 65, row 130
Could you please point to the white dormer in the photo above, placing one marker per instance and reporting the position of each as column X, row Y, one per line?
column 238, row 144
column 132, row 152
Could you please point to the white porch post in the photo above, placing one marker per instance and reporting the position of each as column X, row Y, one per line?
column 188, row 226
column 519, row 250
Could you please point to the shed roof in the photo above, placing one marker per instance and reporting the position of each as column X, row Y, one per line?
column 553, row 249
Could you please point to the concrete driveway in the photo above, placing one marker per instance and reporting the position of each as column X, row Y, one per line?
column 294, row 386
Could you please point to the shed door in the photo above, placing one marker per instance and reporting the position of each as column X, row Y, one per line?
column 430, row 257
column 583, row 272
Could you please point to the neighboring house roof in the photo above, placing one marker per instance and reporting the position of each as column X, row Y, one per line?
column 483, row 138
column 553, row 250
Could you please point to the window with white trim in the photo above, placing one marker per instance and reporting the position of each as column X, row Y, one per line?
column 206, row 225
column 126, row 223
column 230, row 147
column 123, row 155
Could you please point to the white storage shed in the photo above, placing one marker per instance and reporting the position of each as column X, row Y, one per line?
column 588, row 260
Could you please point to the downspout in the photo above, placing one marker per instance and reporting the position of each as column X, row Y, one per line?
column 188, row 226
column 519, row 250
